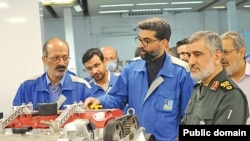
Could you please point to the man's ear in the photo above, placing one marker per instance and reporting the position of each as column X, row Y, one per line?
column 242, row 52
column 165, row 44
column 218, row 56
column 43, row 59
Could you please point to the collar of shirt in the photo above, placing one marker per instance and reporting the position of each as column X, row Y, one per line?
column 60, row 82
column 107, row 85
column 247, row 70
column 153, row 67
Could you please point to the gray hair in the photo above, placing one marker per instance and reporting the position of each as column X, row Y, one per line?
column 238, row 41
column 212, row 40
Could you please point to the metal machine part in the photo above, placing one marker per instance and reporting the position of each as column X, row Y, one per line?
column 113, row 131
column 72, row 124
column 23, row 109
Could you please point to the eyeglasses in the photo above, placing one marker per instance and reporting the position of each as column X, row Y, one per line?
column 144, row 42
column 227, row 52
column 58, row 58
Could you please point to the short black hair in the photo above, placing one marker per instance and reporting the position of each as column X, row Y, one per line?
column 159, row 25
column 90, row 53
column 182, row 42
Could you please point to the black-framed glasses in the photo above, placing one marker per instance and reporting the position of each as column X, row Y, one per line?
column 144, row 42
column 227, row 52
column 58, row 58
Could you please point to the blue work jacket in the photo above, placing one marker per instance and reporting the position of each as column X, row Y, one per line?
column 161, row 106
column 97, row 91
column 36, row 90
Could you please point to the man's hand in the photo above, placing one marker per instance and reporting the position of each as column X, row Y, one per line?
column 90, row 101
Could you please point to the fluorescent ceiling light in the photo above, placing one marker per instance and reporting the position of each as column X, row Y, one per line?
column 115, row 11
column 184, row 8
column 139, row 10
column 3, row 5
column 51, row 2
column 77, row 8
column 219, row 7
column 246, row 5
column 116, row 5
column 162, row 3
column 187, row 2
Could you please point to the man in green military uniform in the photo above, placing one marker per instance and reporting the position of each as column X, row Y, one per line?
column 216, row 99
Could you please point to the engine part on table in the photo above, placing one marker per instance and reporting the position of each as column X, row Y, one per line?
column 139, row 135
column 114, row 131
column 79, row 128
column 47, row 109
column 21, row 130
column 60, row 101
column 73, row 124
column 18, row 110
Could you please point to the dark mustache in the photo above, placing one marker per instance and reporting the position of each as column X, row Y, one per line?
column 141, row 49
column 60, row 67
column 191, row 66
column 223, row 61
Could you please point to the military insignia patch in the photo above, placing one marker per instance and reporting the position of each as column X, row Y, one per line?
column 215, row 85
column 168, row 105
column 226, row 85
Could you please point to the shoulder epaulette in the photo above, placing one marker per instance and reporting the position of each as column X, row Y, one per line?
column 180, row 62
column 80, row 80
column 134, row 59
column 91, row 81
column 226, row 85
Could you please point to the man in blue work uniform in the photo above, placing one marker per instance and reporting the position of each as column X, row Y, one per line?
column 56, row 82
column 157, row 86
column 102, row 79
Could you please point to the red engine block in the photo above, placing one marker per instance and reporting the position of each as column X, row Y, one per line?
column 99, row 117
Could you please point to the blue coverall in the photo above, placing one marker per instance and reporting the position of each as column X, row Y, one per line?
column 36, row 90
column 98, row 91
column 161, row 106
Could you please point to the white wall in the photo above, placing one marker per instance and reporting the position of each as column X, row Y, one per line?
column 88, row 30
column 21, row 50
column 21, row 43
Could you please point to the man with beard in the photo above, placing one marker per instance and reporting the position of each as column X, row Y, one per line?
column 56, row 84
column 233, row 60
column 101, row 78
column 216, row 99
column 158, row 86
